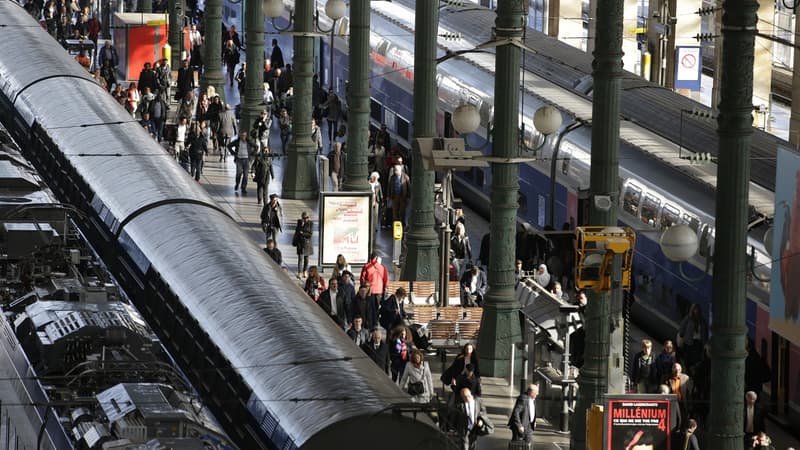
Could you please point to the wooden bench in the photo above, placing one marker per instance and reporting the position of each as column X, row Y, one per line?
column 422, row 313
column 473, row 313
column 468, row 329
column 442, row 331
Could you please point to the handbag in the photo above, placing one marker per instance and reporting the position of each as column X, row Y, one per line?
column 486, row 428
column 296, row 239
column 415, row 388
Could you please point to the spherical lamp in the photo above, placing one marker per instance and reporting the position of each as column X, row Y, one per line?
column 547, row 120
column 335, row 9
column 466, row 119
column 272, row 8
column 679, row 243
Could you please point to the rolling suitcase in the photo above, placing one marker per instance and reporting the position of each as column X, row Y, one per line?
column 519, row 445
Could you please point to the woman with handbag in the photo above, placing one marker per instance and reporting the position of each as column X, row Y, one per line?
column 302, row 242
column 417, row 380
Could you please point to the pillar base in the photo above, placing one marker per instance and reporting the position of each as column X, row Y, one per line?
column 499, row 331
column 422, row 256
column 300, row 177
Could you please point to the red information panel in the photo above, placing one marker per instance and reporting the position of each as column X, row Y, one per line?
column 638, row 422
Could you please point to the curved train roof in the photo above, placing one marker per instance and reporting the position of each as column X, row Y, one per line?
column 300, row 367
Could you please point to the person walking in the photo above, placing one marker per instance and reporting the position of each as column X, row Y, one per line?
column 335, row 166
column 471, row 420
column 262, row 168
column 417, row 380
column 376, row 275
column 302, row 242
column 227, row 130
column 272, row 218
column 243, row 150
column 523, row 417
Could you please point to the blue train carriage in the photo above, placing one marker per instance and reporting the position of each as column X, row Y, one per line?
column 655, row 192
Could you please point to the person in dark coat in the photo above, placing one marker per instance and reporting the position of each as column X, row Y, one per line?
column 357, row 332
column 273, row 251
column 276, row 57
column 523, row 417
column 754, row 420
column 147, row 78
column 272, row 217
column 686, row 440
column 643, row 369
column 469, row 417
column 365, row 306
column 262, row 168
column 377, row 350
column 185, row 80
column 473, row 286
column 468, row 379
column 392, row 311
column 198, row 146
column 332, row 302
column 302, row 242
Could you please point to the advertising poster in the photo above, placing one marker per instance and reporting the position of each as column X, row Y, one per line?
column 784, row 299
column 345, row 227
column 637, row 422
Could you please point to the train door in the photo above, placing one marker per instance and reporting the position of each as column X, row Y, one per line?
column 780, row 374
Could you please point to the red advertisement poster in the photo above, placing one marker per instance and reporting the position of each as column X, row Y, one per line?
column 637, row 422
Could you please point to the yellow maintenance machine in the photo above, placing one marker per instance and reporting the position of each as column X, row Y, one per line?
column 596, row 252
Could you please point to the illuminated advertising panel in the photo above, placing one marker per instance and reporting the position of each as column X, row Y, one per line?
column 345, row 227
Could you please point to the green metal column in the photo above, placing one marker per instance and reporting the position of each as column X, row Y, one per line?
column 174, row 38
column 730, row 246
column 422, row 242
column 212, row 56
column 300, row 178
column 358, row 99
column 254, row 77
column 500, row 323
column 593, row 379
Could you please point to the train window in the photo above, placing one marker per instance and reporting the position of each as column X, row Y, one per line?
column 402, row 128
column 522, row 200
column 389, row 118
column 631, row 199
column 692, row 221
column 670, row 215
column 375, row 111
column 650, row 207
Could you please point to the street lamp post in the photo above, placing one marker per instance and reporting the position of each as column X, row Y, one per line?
column 421, row 241
column 499, row 324
column 358, row 98
column 300, row 177
column 253, row 90
column 175, row 27
column 593, row 380
column 212, row 76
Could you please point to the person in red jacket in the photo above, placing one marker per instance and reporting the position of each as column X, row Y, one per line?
column 376, row 274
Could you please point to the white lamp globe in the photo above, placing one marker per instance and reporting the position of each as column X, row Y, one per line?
column 547, row 120
column 466, row 119
column 272, row 8
column 679, row 243
column 335, row 9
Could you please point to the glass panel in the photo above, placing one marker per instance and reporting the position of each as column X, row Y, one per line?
column 650, row 207
column 670, row 215
column 631, row 199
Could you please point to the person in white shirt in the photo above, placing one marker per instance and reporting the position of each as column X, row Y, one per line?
column 523, row 417
column 180, row 137
column 471, row 420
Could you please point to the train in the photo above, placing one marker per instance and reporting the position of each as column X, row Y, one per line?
column 80, row 360
column 273, row 370
column 661, row 184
